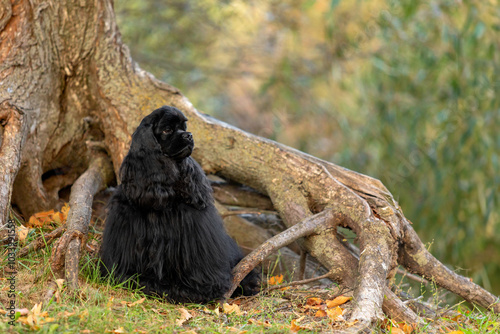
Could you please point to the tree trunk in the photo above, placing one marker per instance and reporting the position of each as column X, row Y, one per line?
column 68, row 83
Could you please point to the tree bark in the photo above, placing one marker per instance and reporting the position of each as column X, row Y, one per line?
column 66, row 78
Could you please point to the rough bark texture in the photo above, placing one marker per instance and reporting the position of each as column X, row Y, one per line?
column 66, row 77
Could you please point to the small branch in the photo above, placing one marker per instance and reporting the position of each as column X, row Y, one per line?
column 286, row 237
column 42, row 241
column 240, row 212
column 295, row 283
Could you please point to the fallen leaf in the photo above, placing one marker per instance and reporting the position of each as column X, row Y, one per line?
column 228, row 309
column 320, row 314
column 60, row 283
column 258, row 322
column 396, row 330
column 22, row 311
column 137, row 302
column 335, row 313
column 22, row 233
column 455, row 332
column 337, row 301
column 407, row 329
column 110, row 302
column 37, row 309
column 295, row 328
column 116, row 331
column 314, row 301
column 185, row 316
column 275, row 280
column 84, row 314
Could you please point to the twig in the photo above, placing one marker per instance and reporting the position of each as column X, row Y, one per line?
column 240, row 212
column 42, row 241
column 294, row 283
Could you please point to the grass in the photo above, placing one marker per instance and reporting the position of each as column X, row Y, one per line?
column 102, row 306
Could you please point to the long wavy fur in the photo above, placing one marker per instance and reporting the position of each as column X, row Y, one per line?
column 162, row 226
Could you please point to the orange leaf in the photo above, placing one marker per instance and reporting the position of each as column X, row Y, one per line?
column 314, row 301
column 320, row 314
column 396, row 330
column 337, row 301
column 275, row 280
column 455, row 332
column 407, row 329
column 335, row 313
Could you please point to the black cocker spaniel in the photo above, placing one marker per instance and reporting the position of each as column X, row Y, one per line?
column 163, row 232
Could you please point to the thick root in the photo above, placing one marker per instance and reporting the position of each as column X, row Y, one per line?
column 15, row 130
column 66, row 254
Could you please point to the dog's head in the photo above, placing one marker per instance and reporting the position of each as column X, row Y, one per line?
column 168, row 126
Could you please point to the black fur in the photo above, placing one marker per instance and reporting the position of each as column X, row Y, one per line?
column 162, row 223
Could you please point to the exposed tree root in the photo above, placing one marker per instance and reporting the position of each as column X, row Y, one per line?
column 66, row 253
column 235, row 195
column 249, row 236
column 416, row 258
column 13, row 133
column 278, row 241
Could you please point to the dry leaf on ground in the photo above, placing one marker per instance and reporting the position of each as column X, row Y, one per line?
column 275, row 280
column 337, row 301
column 228, row 309
column 185, row 316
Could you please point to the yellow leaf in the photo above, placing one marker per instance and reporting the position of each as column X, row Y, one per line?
column 185, row 316
column 275, row 280
column 455, row 332
column 110, row 302
column 337, row 301
column 84, row 314
column 335, row 313
column 116, row 331
column 228, row 309
column 258, row 322
column 22, row 233
column 37, row 309
column 295, row 328
column 137, row 302
column 65, row 211
column 60, row 283
column 395, row 330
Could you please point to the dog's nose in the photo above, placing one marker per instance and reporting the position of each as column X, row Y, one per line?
column 187, row 135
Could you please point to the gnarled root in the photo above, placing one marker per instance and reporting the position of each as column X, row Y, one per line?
column 13, row 133
column 66, row 253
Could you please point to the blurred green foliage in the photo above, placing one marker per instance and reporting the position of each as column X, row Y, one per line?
column 405, row 91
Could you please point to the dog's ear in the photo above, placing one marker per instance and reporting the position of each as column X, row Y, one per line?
column 144, row 137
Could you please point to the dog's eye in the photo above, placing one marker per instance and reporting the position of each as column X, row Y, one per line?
column 167, row 131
